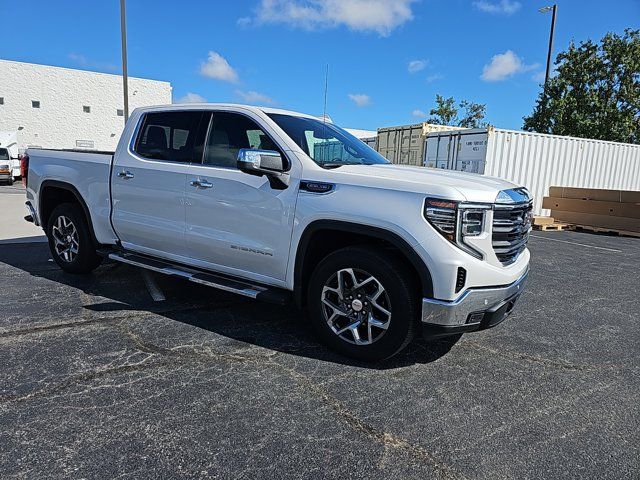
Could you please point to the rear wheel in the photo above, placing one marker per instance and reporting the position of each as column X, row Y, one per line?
column 362, row 303
column 70, row 241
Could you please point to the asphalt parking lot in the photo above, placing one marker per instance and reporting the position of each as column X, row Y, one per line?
column 101, row 381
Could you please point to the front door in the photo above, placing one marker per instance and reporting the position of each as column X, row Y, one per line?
column 237, row 223
column 149, row 182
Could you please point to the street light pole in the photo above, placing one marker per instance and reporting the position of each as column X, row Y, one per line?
column 125, row 78
column 553, row 9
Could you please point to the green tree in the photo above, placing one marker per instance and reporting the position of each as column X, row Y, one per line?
column 595, row 93
column 447, row 113
column 473, row 115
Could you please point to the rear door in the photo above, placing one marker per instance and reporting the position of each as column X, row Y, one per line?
column 149, row 181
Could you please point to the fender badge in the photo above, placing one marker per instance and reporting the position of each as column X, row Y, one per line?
column 316, row 187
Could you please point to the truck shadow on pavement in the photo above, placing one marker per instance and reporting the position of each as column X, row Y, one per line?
column 117, row 288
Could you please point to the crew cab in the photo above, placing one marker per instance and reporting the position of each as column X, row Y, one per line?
column 281, row 206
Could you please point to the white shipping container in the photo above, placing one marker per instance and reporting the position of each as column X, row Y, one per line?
column 465, row 151
column 536, row 160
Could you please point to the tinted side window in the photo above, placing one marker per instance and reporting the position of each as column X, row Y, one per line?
column 168, row 136
column 229, row 133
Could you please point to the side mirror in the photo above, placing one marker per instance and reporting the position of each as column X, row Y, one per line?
column 264, row 162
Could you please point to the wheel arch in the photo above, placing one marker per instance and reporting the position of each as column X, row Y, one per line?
column 56, row 192
column 307, row 254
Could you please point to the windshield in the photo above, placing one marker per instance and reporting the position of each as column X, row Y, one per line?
column 4, row 154
column 326, row 144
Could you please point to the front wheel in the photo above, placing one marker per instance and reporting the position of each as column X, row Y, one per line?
column 363, row 303
column 70, row 240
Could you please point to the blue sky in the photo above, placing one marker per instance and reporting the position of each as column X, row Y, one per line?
column 387, row 59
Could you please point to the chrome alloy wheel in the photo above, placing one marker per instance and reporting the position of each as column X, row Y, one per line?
column 356, row 306
column 65, row 237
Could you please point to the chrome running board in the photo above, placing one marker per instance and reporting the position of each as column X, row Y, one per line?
column 221, row 282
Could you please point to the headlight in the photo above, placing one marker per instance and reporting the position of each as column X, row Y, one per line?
column 442, row 215
column 456, row 221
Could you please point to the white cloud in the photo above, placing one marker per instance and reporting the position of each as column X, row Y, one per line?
column 418, row 113
column 434, row 77
column 381, row 16
column 505, row 65
column 360, row 99
column 417, row 65
column 79, row 58
column 243, row 21
column 218, row 68
column 191, row 97
column 505, row 7
column 538, row 77
column 255, row 97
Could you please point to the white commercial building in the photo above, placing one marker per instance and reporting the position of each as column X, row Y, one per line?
column 367, row 136
column 54, row 107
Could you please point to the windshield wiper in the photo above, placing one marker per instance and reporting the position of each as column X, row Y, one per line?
column 340, row 164
column 332, row 164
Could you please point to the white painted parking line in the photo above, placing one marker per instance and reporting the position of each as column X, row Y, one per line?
column 152, row 287
column 576, row 243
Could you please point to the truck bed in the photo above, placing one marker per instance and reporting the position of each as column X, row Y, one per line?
column 85, row 171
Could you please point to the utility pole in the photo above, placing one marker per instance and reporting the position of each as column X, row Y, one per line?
column 553, row 10
column 125, row 77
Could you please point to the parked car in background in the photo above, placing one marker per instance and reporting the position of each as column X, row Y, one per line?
column 9, row 141
column 6, row 170
column 281, row 206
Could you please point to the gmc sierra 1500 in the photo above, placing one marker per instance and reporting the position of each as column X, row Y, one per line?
column 277, row 205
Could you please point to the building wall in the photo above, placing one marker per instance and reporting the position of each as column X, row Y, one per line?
column 60, row 122
column 359, row 133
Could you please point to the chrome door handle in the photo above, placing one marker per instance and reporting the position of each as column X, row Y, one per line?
column 125, row 174
column 201, row 183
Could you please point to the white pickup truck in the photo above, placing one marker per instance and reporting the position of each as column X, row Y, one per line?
column 280, row 206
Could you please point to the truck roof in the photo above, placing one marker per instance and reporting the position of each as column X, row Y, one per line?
column 254, row 108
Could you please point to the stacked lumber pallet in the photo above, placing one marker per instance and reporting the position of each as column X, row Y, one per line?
column 595, row 209
column 549, row 223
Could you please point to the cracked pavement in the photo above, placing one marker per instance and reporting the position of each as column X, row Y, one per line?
column 100, row 381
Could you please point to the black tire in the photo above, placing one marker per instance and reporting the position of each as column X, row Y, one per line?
column 387, row 271
column 85, row 259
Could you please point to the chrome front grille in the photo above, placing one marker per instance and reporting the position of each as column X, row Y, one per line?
column 511, row 226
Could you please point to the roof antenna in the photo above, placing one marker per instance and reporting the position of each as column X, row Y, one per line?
column 326, row 87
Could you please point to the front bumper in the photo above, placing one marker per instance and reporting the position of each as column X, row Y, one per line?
column 475, row 309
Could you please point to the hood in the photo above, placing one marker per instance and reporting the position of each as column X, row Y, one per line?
column 471, row 187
